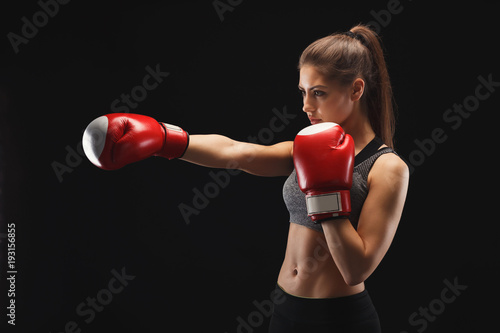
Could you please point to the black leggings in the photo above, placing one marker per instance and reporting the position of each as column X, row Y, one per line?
column 353, row 314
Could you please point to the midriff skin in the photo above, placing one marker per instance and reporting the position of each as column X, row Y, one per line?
column 308, row 269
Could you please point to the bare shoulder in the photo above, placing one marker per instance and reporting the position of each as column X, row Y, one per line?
column 389, row 168
column 387, row 188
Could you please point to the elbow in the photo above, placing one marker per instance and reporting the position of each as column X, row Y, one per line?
column 358, row 273
column 354, row 279
column 351, row 282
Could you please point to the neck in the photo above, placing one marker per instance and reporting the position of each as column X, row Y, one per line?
column 358, row 126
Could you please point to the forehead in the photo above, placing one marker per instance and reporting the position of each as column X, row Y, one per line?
column 310, row 76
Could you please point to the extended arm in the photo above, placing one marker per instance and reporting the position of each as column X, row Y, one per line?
column 115, row 140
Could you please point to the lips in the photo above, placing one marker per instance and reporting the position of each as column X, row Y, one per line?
column 314, row 121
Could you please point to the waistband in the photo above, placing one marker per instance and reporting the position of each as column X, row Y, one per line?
column 346, row 308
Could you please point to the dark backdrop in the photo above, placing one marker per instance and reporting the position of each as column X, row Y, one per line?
column 231, row 69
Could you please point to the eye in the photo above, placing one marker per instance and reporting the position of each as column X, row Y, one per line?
column 317, row 93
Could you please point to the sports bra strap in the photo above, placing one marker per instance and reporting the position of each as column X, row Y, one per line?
column 371, row 148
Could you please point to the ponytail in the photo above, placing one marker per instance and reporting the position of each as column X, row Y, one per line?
column 358, row 53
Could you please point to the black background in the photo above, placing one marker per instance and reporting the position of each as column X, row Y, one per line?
column 226, row 76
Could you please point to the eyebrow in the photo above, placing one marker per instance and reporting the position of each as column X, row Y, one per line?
column 313, row 87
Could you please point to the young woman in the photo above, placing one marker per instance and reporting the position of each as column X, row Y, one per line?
column 344, row 80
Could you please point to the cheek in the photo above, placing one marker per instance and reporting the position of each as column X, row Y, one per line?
column 336, row 109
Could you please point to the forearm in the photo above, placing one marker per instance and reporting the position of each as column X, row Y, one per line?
column 210, row 150
column 217, row 151
column 348, row 250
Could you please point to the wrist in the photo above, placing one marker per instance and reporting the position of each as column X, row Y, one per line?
column 175, row 143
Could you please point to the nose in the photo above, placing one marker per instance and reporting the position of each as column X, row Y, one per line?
column 309, row 105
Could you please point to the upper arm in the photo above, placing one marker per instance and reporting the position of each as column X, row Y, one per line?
column 382, row 209
column 268, row 161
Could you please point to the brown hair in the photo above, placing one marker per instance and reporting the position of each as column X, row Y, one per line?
column 358, row 54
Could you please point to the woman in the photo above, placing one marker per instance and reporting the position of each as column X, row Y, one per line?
column 343, row 79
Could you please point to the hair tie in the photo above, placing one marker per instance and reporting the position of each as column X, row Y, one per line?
column 350, row 34
column 355, row 36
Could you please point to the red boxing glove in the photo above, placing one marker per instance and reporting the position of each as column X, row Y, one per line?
column 117, row 139
column 323, row 155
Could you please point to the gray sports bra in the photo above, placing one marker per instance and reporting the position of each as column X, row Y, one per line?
column 295, row 199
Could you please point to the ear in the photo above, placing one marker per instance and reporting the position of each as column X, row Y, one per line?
column 358, row 88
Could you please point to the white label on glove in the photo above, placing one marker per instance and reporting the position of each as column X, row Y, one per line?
column 173, row 127
column 323, row 203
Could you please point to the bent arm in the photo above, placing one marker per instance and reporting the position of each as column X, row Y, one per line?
column 218, row 151
column 357, row 253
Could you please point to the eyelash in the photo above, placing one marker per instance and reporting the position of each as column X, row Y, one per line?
column 317, row 93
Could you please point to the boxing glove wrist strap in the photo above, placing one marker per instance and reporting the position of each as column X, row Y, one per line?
column 176, row 142
column 321, row 220
column 333, row 203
